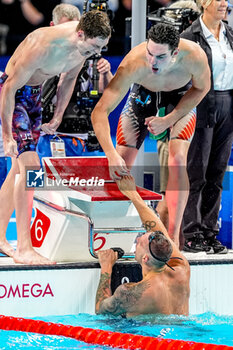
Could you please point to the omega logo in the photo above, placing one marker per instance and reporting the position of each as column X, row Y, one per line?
column 25, row 291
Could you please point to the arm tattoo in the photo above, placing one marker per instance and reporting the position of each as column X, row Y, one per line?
column 149, row 225
column 125, row 299
column 104, row 290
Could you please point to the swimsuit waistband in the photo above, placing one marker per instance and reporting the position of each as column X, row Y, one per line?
column 4, row 77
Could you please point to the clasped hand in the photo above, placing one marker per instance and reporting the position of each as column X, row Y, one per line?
column 107, row 257
column 156, row 125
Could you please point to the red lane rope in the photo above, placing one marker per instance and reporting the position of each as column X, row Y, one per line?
column 100, row 337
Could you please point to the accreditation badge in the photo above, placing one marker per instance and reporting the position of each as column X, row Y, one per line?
column 57, row 146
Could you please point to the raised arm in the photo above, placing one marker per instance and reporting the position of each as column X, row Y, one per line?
column 31, row 13
column 148, row 217
column 104, row 69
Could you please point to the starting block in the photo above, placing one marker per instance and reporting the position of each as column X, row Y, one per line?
column 80, row 210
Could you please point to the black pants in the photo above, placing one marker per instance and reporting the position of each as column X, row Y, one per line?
column 208, row 157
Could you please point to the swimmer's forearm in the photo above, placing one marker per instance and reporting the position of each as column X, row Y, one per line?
column 6, row 111
column 102, row 130
column 148, row 217
column 31, row 13
column 150, row 220
column 104, row 80
column 104, row 289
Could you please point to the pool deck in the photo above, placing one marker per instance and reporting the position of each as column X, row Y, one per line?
column 194, row 259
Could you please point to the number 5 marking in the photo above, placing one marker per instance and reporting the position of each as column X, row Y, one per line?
column 102, row 239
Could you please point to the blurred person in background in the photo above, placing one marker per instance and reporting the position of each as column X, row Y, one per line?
column 63, row 13
column 112, row 4
column 120, row 43
column 22, row 17
column 211, row 146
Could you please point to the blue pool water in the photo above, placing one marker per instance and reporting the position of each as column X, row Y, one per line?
column 207, row 328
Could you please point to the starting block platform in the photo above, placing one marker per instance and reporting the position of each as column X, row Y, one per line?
column 80, row 210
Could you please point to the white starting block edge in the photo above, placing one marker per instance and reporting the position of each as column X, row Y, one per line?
column 71, row 225
column 53, row 250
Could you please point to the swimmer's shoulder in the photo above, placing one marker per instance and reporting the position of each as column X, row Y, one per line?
column 135, row 63
column 181, row 267
column 191, row 50
column 48, row 34
column 44, row 38
column 33, row 47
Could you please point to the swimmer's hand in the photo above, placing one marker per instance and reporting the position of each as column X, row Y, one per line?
column 107, row 259
column 117, row 167
column 127, row 186
column 156, row 125
column 51, row 127
column 10, row 147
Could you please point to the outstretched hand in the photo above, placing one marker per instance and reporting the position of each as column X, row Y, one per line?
column 127, row 186
column 117, row 167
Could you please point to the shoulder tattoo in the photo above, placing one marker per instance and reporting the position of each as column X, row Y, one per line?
column 124, row 299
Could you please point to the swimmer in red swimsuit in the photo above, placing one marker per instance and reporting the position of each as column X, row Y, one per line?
column 163, row 63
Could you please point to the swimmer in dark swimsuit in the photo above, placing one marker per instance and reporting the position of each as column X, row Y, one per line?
column 141, row 104
column 163, row 63
column 46, row 52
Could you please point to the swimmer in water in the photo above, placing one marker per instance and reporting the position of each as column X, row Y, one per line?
column 164, row 288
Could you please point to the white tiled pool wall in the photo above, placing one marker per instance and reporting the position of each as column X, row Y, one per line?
column 211, row 289
column 71, row 291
